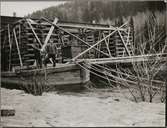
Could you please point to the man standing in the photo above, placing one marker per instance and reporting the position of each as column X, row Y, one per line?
column 51, row 52
column 37, row 54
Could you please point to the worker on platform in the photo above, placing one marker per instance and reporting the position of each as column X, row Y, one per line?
column 37, row 54
column 51, row 52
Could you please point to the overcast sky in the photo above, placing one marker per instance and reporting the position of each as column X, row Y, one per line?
column 24, row 8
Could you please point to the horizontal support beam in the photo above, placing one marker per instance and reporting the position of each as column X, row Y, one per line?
column 129, row 59
column 85, row 26
column 107, row 28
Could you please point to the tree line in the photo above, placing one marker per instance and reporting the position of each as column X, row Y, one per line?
column 95, row 10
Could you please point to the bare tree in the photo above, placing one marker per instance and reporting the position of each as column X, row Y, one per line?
column 144, row 73
column 151, row 42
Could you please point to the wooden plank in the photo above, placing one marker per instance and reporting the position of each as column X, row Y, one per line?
column 127, row 59
column 10, row 45
column 107, row 45
column 18, row 50
column 85, row 26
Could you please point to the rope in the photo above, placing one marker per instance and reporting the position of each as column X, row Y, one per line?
column 128, row 75
column 103, row 76
column 119, row 80
column 87, row 68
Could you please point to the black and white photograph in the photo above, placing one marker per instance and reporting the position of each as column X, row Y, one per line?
column 83, row 63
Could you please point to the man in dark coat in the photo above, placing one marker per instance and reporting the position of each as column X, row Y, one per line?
column 51, row 52
column 37, row 54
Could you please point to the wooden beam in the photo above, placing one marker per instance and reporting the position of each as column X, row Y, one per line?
column 110, row 28
column 18, row 50
column 135, row 83
column 127, row 41
column 126, row 74
column 127, row 59
column 34, row 32
column 49, row 34
column 109, row 38
column 10, row 46
column 99, row 45
column 85, row 26
column 74, row 36
column 107, row 45
column 126, row 48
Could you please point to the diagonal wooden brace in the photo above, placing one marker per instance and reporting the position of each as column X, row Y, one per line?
column 34, row 32
column 17, row 45
column 49, row 34
column 125, row 45
column 107, row 45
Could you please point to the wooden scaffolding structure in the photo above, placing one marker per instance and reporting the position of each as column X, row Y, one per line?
column 74, row 41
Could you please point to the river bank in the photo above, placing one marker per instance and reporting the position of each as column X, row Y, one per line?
column 79, row 109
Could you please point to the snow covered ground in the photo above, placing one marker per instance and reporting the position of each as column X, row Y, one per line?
column 79, row 109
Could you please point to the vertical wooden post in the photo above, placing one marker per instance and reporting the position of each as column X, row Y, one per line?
column 99, row 45
column 10, row 46
column 18, row 50
column 127, row 41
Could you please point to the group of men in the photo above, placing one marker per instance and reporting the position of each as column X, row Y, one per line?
column 43, row 56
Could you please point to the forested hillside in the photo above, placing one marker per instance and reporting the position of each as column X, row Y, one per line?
column 89, row 10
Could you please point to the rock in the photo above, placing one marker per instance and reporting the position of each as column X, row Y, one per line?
column 7, row 111
column 116, row 99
